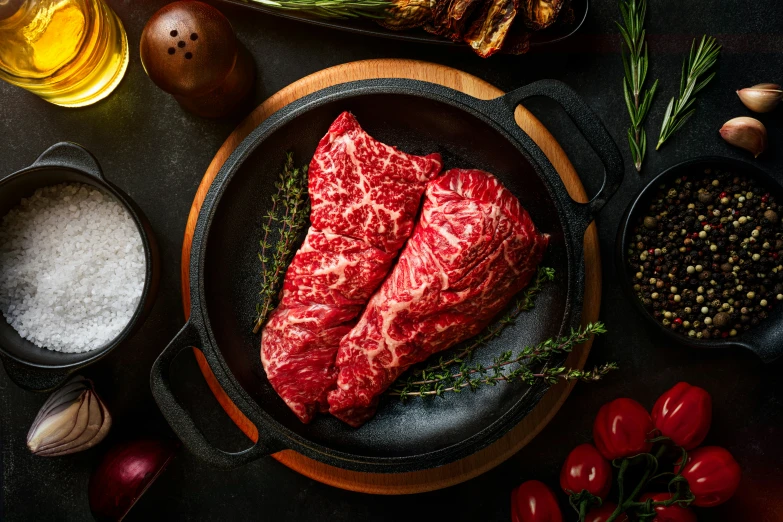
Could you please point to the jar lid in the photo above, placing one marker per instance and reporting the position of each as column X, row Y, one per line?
column 188, row 48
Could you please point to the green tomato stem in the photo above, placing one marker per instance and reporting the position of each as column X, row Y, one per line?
column 583, row 510
column 623, row 503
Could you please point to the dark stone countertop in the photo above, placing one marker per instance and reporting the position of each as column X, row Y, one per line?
column 157, row 153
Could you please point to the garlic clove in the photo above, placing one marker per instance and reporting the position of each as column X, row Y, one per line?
column 746, row 133
column 73, row 419
column 763, row 97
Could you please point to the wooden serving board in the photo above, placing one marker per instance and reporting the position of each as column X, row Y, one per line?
column 518, row 437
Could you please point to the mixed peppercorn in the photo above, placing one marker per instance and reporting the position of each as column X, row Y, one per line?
column 706, row 259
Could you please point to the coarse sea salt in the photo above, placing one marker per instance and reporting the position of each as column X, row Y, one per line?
column 72, row 268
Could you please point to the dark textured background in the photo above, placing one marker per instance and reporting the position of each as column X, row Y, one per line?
column 157, row 153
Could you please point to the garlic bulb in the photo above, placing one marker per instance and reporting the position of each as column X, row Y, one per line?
column 747, row 133
column 763, row 97
column 73, row 419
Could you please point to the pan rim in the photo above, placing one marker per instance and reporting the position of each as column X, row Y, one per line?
column 270, row 430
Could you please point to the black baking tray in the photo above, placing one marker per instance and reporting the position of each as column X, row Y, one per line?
column 369, row 28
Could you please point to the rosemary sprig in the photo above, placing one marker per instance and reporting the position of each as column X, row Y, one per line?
column 332, row 8
column 635, row 63
column 508, row 367
column 700, row 60
column 286, row 220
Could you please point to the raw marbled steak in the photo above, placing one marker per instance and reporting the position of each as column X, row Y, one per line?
column 474, row 247
column 364, row 199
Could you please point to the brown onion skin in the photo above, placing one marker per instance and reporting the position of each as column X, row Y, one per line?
column 125, row 473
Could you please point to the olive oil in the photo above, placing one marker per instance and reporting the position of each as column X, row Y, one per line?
column 68, row 52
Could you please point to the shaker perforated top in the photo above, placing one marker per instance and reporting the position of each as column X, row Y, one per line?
column 188, row 48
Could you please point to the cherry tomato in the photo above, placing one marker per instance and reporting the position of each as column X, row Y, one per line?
column 602, row 514
column 586, row 469
column 712, row 474
column 673, row 513
column 684, row 414
column 533, row 501
column 621, row 429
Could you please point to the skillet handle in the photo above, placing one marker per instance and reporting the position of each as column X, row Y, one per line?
column 591, row 128
column 70, row 155
column 764, row 342
column 180, row 420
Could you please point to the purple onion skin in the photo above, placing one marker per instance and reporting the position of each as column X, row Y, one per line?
column 125, row 473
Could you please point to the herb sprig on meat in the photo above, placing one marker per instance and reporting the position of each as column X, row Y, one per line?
column 509, row 367
column 454, row 373
column 282, row 228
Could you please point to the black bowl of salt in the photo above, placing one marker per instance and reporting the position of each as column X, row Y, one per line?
column 79, row 267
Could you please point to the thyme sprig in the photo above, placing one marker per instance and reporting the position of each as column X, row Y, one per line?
column 523, row 303
column 635, row 63
column 282, row 228
column 700, row 60
column 508, row 367
column 332, row 8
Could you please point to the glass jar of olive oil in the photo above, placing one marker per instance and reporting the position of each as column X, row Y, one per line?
column 68, row 52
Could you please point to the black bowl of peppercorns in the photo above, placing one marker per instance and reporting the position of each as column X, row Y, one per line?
column 700, row 254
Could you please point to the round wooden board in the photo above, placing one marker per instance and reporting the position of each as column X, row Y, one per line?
column 518, row 437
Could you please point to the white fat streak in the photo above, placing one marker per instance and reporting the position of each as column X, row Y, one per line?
column 415, row 290
column 376, row 210
column 336, row 267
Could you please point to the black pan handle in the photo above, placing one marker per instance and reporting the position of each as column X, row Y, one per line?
column 180, row 420
column 70, row 155
column 34, row 379
column 591, row 128
column 764, row 342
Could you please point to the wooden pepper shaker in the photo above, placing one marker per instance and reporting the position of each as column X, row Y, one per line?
column 189, row 50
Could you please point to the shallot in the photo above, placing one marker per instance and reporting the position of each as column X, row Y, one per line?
column 73, row 419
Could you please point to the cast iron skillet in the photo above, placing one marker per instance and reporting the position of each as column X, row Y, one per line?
column 365, row 27
column 766, row 339
column 417, row 117
column 28, row 365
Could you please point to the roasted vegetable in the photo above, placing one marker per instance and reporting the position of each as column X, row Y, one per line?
column 450, row 17
column 407, row 14
column 489, row 30
column 493, row 25
column 540, row 14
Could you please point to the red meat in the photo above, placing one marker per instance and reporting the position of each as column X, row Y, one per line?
column 474, row 247
column 364, row 198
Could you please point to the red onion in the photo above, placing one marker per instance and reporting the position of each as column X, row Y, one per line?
column 125, row 473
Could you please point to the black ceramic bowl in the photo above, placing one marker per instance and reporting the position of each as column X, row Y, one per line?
column 28, row 365
column 766, row 339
